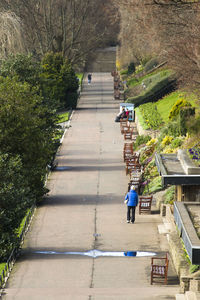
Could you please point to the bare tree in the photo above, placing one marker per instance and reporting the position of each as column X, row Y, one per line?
column 11, row 37
column 73, row 27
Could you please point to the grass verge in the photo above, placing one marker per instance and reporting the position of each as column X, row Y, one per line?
column 64, row 117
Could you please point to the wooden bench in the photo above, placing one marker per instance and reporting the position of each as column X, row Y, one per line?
column 136, row 183
column 132, row 166
column 128, row 135
column 122, row 95
column 145, row 204
column 125, row 129
column 116, row 85
column 159, row 269
column 132, row 159
column 117, row 94
column 114, row 73
column 123, row 122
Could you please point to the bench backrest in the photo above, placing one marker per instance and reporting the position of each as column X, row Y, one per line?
column 159, row 268
column 145, row 204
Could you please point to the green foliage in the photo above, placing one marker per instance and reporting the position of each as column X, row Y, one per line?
column 141, row 140
column 80, row 77
column 167, row 140
column 55, row 78
column 145, row 60
column 165, row 104
column 131, row 68
column 194, row 268
column 63, row 117
column 185, row 115
column 171, row 129
column 133, row 80
column 140, row 118
column 2, row 266
column 176, row 143
column 124, row 72
column 24, row 67
column 16, row 197
column 150, row 115
column 185, row 254
column 174, row 112
column 151, row 64
column 169, row 195
column 157, row 86
column 27, row 128
column 59, row 81
column 154, row 186
column 194, row 125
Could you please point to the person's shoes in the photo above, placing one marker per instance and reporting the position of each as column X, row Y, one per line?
column 127, row 221
column 132, row 222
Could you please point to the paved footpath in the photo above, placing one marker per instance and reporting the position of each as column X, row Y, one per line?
column 85, row 211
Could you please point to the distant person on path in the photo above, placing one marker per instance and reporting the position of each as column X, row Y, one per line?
column 131, row 199
column 89, row 78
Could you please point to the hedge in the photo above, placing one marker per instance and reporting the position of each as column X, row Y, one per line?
column 155, row 90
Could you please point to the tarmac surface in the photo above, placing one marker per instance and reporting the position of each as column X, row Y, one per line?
column 84, row 211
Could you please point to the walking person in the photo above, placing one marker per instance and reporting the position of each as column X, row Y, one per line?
column 89, row 78
column 131, row 199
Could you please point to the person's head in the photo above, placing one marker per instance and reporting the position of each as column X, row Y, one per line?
column 132, row 188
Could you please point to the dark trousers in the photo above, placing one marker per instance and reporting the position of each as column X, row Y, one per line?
column 131, row 213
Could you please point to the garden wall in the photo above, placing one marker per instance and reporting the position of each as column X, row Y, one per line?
column 149, row 132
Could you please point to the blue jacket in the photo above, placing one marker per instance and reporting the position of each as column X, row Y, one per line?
column 132, row 198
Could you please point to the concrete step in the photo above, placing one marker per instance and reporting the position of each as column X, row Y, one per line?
column 188, row 296
column 180, row 297
column 192, row 295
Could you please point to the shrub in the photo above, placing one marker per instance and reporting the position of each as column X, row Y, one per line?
column 59, row 81
column 150, row 115
column 131, row 68
column 167, row 140
column 23, row 66
column 157, row 87
column 152, row 63
column 145, row 60
column 172, row 129
column 141, row 140
column 154, row 186
column 168, row 150
column 176, row 143
column 139, row 69
column 184, row 115
column 123, row 72
column 170, row 195
column 151, row 142
column 194, row 268
column 174, row 112
column 194, row 125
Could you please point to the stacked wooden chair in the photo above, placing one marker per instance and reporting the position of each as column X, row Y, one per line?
column 128, row 134
column 159, row 269
column 124, row 125
column 145, row 204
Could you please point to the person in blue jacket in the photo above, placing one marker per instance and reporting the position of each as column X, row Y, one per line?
column 131, row 199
